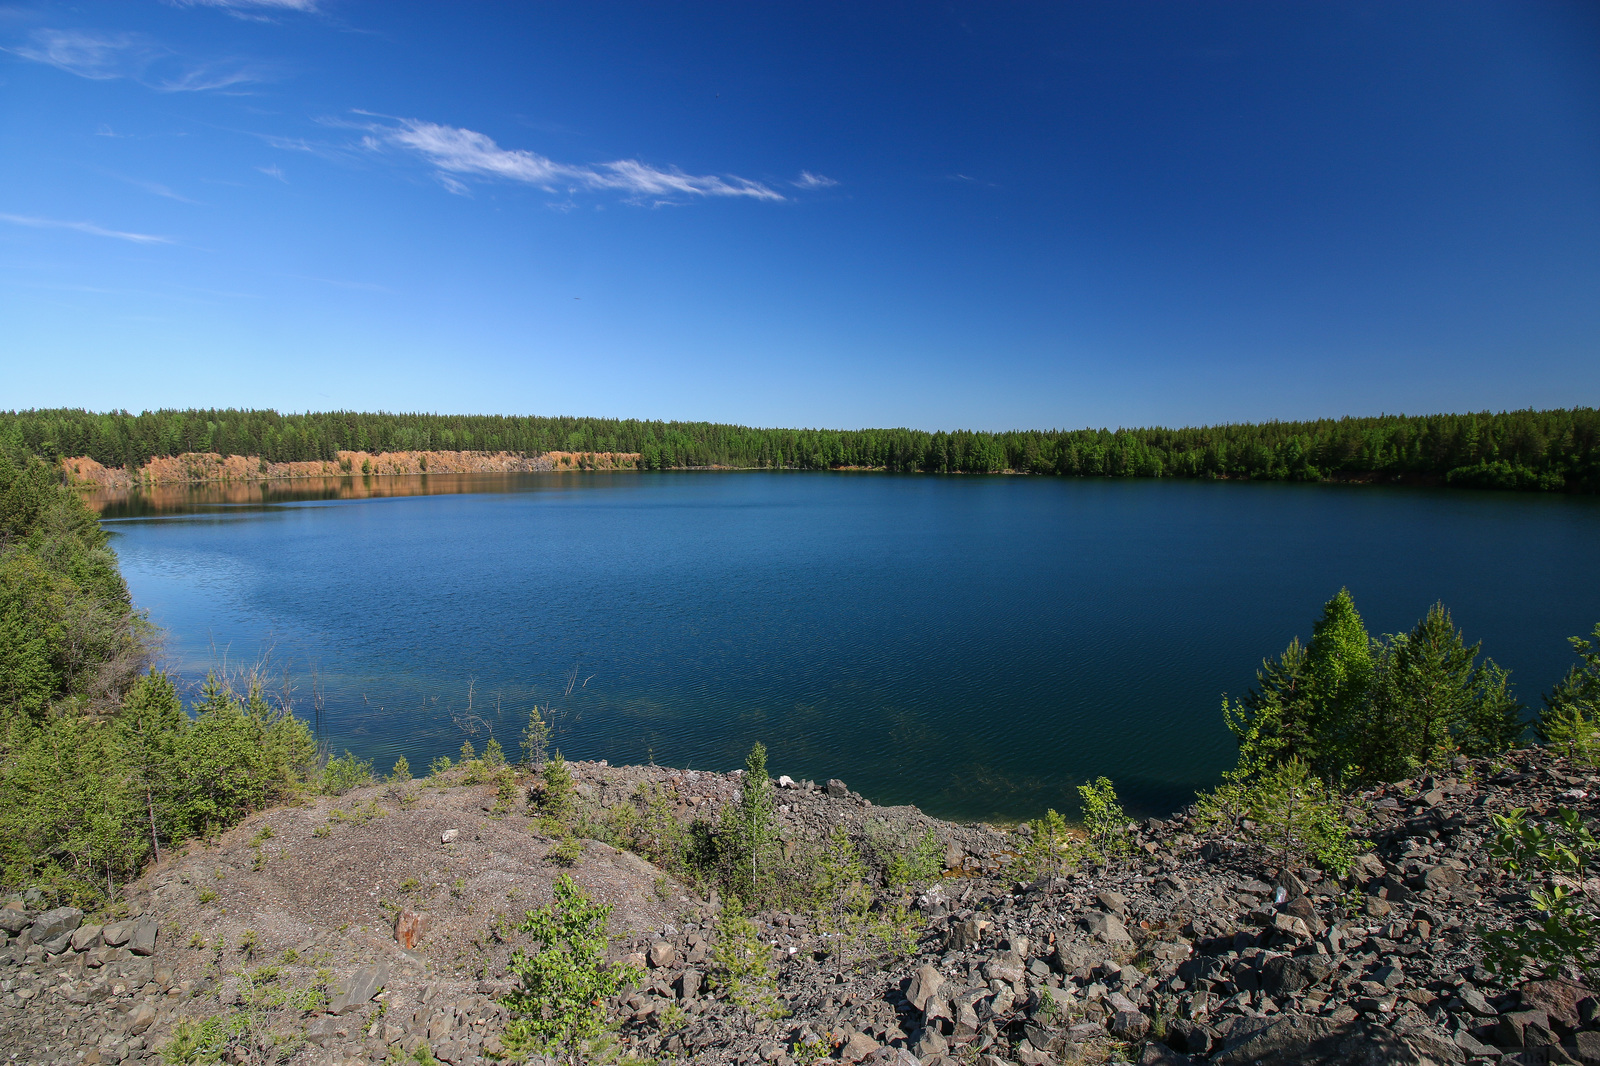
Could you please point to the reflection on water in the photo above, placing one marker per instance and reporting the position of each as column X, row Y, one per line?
column 150, row 500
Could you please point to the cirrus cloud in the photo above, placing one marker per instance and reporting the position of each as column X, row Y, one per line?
column 83, row 227
column 456, row 152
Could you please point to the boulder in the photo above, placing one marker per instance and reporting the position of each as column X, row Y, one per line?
column 52, row 924
column 410, row 927
column 143, row 940
column 837, row 790
column 116, row 934
column 14, row 920
column 365, row 983
column 860, row 1045
column 1106, row 927
column 1557, row 998
column 85, row 937
column 891, row 1056
column 662, row 953
column 924, row 984
column 1511, row 1029
column 1129, row 1025
column 688, row 984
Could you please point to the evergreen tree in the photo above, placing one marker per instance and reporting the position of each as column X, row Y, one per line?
column 1338, row 677
column 1570, row 720
column 151, row 725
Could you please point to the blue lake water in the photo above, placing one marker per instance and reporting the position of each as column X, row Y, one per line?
column 975, row 645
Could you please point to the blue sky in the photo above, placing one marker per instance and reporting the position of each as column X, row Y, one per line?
column 841, row 214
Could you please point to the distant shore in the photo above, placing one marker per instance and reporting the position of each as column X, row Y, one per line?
column 204, row 467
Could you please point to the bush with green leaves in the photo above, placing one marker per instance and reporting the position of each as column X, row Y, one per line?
column 565, row 981
column 1105, row 825
column 345, row 773
column 1047, row 847
column 1570, row 721
column 1551, row 859
column 1358, row 710
column 401, row 774
column 558, row 801
column 1286, row 814
column 741, row 967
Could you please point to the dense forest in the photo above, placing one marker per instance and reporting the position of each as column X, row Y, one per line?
column 1549, row 450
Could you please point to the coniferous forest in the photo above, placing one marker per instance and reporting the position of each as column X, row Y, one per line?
column 1557, row 450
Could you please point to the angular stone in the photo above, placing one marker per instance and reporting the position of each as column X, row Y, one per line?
column 410, row 928
column 1106, row 927
column 662, row 953
column 1160, row 1055
column 449, row 836
column 143, row 940
column 1292, row 926
column 1007, row 967
column 859, row 1046
column 688, row 984
column 837, row 790
column 14, row 920
column 1510, row 1029
column 930, row 1042
column 57, row 944
column 1115, row 902
column 1472, row 1001
column 891, row 1056
column 52, row 924
column 1557, row 998
column 1129, row 1025
column 117, row 934
column 1285, row 974
column 1588, row 1046
column 85, row 937
column 924, row 984
column 365, row 983
column 143, row 1016
column 1289, row 1040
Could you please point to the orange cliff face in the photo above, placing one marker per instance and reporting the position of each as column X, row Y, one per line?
column 192, row 467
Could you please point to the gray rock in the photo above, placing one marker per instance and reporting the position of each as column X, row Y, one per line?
column 924, row 984
column 116, row 934
column 1129, row 1025
column 688, row 984
column 1115, row 902
column 1473, row 1002
column 57, row 944
column 1106, row 927
column 143, row 1016
column 662, row 954
column 1284, row 974
column 52, row 924
column 1006, row 967
column 837, row 789
column 1510, row 1029
column 85, row 937
column 14, row 920
column 860, row 1045
column 362, row 986
column 1159, row 1055
column 1289, row 1040
column 891, row 1056
column 143, row 941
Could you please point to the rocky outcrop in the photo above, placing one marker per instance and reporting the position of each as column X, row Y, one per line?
column 1197, row 951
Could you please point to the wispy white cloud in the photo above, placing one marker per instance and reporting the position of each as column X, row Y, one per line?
column 456, row 151
column 108, row 56
column 155, row 188
column 274, row 171
column 254, row 8
column 83, row 227
column 809, row 180
column 99, row 56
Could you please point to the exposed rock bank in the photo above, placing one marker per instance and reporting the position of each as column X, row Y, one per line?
column 361, row 928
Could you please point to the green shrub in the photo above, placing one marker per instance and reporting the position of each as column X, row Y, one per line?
column 345, row 773
column 566, row 981
column 535, row 739
column 1551, row 859
column 1048, row 847
column 741, row 967
column 558, row 802
column 1286, row 813
column 401, row 774
column 1570, row 721
column 1104, row 823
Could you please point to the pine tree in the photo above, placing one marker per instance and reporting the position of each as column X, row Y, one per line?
column 152, row 724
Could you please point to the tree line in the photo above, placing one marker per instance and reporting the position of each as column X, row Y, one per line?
column 1557, row 450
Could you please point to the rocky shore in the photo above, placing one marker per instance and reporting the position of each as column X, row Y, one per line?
column 377, row 926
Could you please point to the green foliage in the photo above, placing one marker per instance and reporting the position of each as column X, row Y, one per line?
column 440, row 766
column 1570, row 721
column 1532, row 450
column 750, row 833
column 535, row 739
column 493, row 756
column 206, row 1041
column 1353, row 709
column 345, row 773
column 558, row 802
column 401, row 774
column 741, row 967
column 565, row 983
column 1432, row 698
column 1048, row 847
column 1551, row 859
column 1105, row 825
column 918, row 864
column 1285, row 812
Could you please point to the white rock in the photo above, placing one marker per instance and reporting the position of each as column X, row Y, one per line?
column 449, row 836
